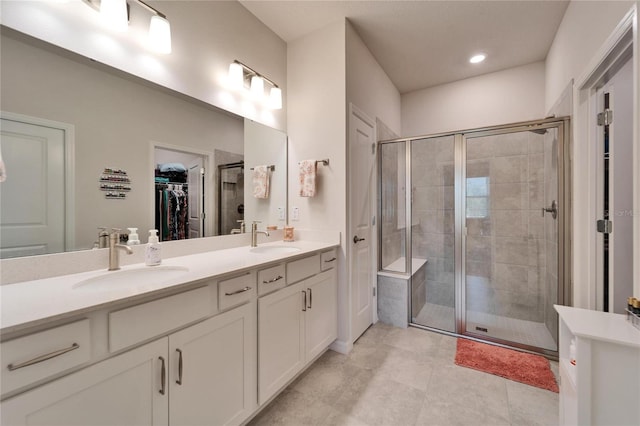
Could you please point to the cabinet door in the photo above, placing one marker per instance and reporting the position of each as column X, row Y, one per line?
column 213, row 376
column 124, row 390
column 321, row 317
column 280, row 339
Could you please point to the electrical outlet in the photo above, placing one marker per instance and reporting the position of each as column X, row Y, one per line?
column 280, row 213
column 296, row 214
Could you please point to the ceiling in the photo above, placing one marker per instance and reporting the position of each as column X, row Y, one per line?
column 422, row 43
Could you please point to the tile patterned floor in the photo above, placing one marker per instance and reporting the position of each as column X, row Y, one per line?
column 405, row 377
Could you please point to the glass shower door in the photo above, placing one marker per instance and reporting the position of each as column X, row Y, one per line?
column 433, row 233
column 510, row 206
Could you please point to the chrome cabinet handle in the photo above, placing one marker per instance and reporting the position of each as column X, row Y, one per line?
column 242, row 290
column 310, row 299
column 356, row 239
column 163, row 376
column 278, row 278
column 331, row 260
column 179, row 381
column 304, row 305
column 41, row 358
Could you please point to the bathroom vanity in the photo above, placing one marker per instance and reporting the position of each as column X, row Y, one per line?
column 601, row 385
column 207, row 338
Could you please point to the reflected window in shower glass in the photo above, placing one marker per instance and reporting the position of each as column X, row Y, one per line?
column 478, row 197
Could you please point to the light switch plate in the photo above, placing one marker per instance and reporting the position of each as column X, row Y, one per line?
column 296, row 214
column 280, row 213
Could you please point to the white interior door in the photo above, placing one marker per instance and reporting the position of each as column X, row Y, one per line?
column 32, row 199
column 361, row 175
column 196, row 201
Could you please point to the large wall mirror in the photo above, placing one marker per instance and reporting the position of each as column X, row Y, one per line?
column 86, row 146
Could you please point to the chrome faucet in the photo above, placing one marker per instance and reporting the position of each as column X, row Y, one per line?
column 255, row 232
column 114, row 246
column 240, row 230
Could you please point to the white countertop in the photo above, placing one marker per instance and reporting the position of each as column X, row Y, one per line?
column 599, row 325
column 32, row 302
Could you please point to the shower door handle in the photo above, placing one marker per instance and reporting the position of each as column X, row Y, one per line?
column 356, row 239
column 553, row 209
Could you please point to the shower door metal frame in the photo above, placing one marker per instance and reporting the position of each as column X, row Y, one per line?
column 564, row 286
column 564, row 203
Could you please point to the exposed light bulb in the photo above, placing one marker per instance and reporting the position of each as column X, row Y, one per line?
column 275, row 98
column 236, row 76
column 257, row 87
column 114, row 12
column 476, row 59
column 160, row 34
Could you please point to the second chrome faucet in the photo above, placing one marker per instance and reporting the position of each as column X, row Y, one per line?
column 114, row 246
column 255, row 232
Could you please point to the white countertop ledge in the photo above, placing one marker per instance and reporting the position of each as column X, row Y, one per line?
column 30, row 303
column 604, row 326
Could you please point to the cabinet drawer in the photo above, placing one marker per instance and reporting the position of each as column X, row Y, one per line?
column 39, row 355
column 138, row 323
column 236, row 291
column 328, row 260
column 271, row 279
column 303, row 268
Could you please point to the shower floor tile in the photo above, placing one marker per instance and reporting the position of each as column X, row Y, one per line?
column 514, row 330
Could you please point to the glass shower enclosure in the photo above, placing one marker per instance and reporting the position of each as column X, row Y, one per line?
column 486, row 212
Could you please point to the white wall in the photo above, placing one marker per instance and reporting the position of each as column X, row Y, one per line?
column 583, row 31
column 115, row 120
column 206, row 37
column 368, row 86
column 502, row 97
column 316, row 120
column 584, row 28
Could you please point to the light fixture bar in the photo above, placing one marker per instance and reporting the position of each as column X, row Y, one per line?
column 252, row 71
column 151, row 9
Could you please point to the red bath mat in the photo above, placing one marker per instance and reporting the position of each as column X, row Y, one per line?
column 521, row 367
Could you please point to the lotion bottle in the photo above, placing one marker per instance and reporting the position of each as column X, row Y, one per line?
column 133, row 236
column 152, row 255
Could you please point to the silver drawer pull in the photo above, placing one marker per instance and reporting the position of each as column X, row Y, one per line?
column 242, row 290
column 330, row 260
column 41, row 358
column 278, row 278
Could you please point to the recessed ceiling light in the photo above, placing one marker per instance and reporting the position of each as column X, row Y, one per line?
column 476, row 59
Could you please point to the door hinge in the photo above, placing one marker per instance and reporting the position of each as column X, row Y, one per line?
column 374, row 292
column 202, row 171
column 604, row 226
column 605, row 118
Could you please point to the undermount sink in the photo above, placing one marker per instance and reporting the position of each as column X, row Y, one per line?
column 275, row 250
column 136, row 279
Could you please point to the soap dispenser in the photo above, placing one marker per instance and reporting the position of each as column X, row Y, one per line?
column 152, row 253
column 133, row 237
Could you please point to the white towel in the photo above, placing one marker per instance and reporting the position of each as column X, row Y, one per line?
column 261, row 181
column 307, row 178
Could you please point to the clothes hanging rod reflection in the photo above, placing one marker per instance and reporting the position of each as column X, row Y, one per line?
column 324, row 162
column 271, row 167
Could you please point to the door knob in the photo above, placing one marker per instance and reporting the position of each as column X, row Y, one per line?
column 356, row 239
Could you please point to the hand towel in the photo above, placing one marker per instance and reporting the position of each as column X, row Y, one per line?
column 307, row 178
column 3, row 169
column 261, row 181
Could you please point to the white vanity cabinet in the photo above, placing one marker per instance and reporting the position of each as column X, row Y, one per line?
column 123, row 390
column 295, row 325
column 212, row 366
column 603, row 387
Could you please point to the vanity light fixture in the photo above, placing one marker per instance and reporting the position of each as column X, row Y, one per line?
column 116, row 13
column 242, row 75
column 476, row 59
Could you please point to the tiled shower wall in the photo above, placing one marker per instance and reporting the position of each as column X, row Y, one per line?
column 433, row 175
column 506, row 252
